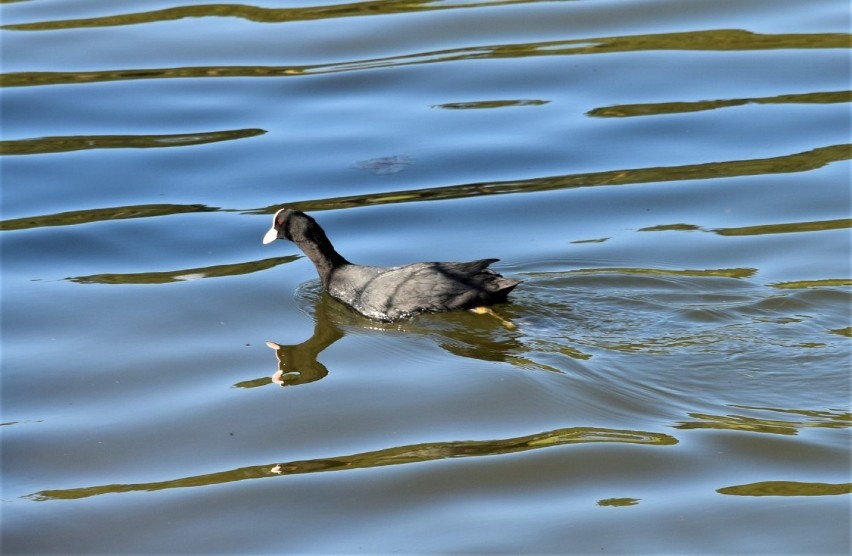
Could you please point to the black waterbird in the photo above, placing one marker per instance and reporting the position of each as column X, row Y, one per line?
column 391, row 293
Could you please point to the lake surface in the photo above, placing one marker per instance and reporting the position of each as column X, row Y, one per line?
column 669, row 179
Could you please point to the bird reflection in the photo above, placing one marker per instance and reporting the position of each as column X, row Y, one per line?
column 298, row 363
column 486, row 336
column 291, row 373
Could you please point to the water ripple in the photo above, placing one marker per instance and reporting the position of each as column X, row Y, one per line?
column 714, row 40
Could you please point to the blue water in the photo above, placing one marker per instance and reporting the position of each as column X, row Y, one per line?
column 670, row 180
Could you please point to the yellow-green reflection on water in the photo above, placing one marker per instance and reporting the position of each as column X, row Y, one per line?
column 794, row 227
column 831, row 419
column 712, row 40
column 659, row 108
column 259, row 14
column 97, row 215
column 673, row 228
column 721, row 272
column 618, row 502
column 44, row 145
column 808, row 284
column 843, row 331
column 165, row 277
column 787, row 488
column 598, row 240
column 414, row 453
column 478, row 105
column 785, row 228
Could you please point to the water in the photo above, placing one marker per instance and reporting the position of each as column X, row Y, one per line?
column 669, row 179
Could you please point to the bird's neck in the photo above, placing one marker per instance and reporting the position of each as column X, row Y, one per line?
column 322, row 253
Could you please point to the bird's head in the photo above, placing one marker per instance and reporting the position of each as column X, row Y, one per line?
column 289, row 224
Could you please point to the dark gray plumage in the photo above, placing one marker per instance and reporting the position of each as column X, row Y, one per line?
column 391, row 293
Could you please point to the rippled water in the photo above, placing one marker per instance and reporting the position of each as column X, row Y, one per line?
column 669, row 179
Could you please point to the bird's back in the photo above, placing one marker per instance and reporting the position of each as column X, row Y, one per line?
column 398, row 292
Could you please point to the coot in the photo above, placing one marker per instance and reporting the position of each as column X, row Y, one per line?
column 393, row 293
